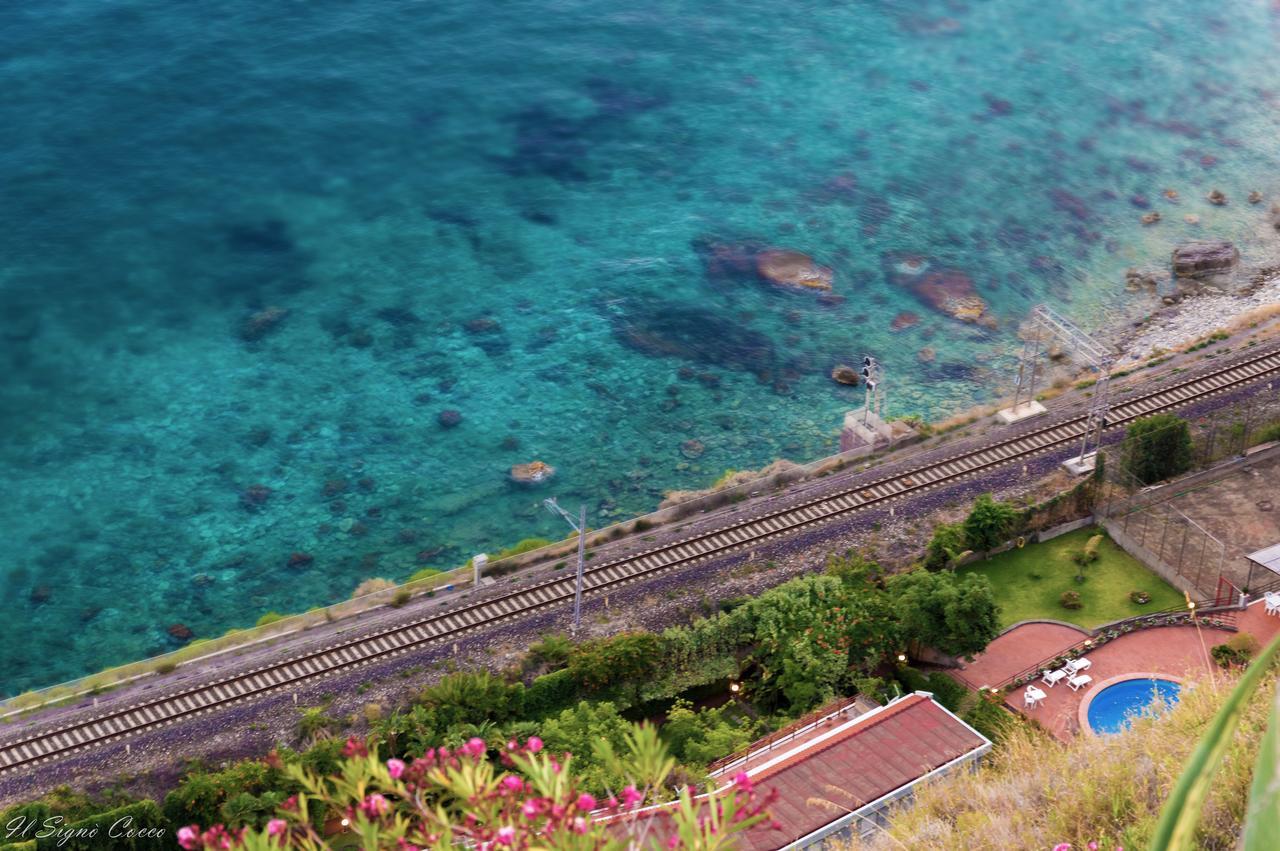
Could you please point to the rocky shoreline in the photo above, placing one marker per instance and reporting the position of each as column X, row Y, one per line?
column 1198, row 315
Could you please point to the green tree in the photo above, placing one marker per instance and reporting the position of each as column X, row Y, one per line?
column 989, row 523
column 631, row 656
column 854, row 570
column 1157, row 447
column 589, row 731
column 946, row 545
column 956, row 615
column 814, row 634
column 699, row 737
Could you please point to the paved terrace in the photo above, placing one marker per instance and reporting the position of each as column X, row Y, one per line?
column 1180, row 652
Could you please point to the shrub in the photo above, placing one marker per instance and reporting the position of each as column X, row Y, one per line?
column 1070, row 600
column 1139, row 597
column 370, row 586
column 269, row 617
column 1157, row 447
column 400, row 598
column 549, row 694
column 1243, row 642
column 1268, row 434
column 527, row 545
column 1227, row 656
column 945, row 547
column 989, row 523
column 425, row 573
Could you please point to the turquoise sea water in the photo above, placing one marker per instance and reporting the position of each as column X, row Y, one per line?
column 506, row 210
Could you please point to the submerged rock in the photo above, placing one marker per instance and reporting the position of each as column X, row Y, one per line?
column 692, row 448
column 532, row 473
column 670, row 329
column 784, row 267
column 449, row 418
column 1194, row 259
column 905, row 319
column 845, row 374
column 948, row 291
column 262, row 323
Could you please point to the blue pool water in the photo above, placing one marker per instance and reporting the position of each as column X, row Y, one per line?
column 1112, row 708
column 539, row 214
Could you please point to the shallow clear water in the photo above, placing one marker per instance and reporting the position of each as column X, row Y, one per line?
column 506, row 210
column 1112, row 709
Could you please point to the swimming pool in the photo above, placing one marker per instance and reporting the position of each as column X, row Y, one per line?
column 1112, row 707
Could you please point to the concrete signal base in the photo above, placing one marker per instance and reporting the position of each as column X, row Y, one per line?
column 1081, row 464
column 1018, row 413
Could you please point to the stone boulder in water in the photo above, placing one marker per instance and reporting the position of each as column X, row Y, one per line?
column 948, row 291
column 1193, row 259
column 845, row 374
column 793, row 270
column 532, row 473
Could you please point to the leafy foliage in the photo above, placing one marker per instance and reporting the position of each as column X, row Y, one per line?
column 698, row 738
column 989, row 523
column 957, row 615
column 1158, row 447
column 447, row 799
column 945, row 547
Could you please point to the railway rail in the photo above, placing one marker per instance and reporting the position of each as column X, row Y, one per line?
column 162, row 710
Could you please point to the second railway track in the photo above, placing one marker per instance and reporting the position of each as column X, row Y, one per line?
column 167, row 709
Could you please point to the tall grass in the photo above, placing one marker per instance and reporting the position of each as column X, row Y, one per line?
column 1035, row 792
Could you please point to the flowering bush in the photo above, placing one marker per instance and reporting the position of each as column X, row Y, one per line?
column 447, row 799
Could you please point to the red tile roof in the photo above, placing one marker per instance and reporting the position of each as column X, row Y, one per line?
column 841, row 769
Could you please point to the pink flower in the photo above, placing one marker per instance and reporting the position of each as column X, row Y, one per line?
column 673, row 842
column 580, row 825
column 743, row 781
column 534, row 744
column 506, row 835
column 586, row 802
column 395, row 767
column 531, row 808
column 1093, row 846
column 476, row 747
column 189, row 838
column 1062, row 846
column 375, row 806
column 277, row 827
column 631, row 797
column 512, row 783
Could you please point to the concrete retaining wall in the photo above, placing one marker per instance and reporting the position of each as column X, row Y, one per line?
column 1064, row 528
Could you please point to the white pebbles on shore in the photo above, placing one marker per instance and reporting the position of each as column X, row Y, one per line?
column 1196, row 317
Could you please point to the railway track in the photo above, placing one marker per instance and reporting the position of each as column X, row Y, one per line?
column 348, row 653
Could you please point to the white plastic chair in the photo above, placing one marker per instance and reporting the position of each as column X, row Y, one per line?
column 1079, row 681
column 1272, row 600
column 1052, row 678
column 1075, row 666
column 1032, row 697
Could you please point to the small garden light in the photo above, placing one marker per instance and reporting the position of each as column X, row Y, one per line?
column 902, row 657
column 735, row 687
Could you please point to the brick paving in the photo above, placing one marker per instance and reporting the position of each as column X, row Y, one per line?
column 1180, row 652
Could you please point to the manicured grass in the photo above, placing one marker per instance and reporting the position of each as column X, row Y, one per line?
column 1029, row 582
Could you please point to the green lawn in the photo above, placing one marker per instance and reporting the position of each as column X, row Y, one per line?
column 1028, row 582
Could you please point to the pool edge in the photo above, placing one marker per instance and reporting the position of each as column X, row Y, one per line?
column 1082, row 714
